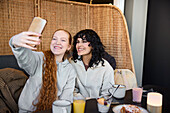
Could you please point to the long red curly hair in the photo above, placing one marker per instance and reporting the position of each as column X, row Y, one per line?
column 48, row 91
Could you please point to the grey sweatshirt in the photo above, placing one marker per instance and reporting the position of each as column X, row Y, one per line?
column 32, row 62
column 95, row 81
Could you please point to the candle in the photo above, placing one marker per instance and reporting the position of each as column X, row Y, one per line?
column 154, row 102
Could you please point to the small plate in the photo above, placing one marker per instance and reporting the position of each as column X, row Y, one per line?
column 117, row 108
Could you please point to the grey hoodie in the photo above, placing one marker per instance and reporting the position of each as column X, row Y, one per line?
column 94, row 82
column 32, row 62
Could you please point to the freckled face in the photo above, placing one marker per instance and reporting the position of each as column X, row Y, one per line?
column 83, row 47
column 60, row 43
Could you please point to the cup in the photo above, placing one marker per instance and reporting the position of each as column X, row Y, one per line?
column 154, row 102
column 118, row 91
column 61, row 106
column 137, row 94
column 104, row 103
column 79, row 104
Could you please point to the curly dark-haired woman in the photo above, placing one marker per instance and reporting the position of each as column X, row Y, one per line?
column 94, row 74
column 51, row 78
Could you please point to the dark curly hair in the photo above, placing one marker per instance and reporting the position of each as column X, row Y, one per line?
column 96, row 44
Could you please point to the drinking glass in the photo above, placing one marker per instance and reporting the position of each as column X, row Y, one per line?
column 61, row 106
column 79, row 104
column 137, row 94
column 104, row 106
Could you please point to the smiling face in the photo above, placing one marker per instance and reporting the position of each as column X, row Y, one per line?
column 60, row 43
column 83, row 47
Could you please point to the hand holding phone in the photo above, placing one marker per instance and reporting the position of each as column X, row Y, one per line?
column 37, row 26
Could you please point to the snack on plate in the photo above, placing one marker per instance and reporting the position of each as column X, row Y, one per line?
column 130, row 109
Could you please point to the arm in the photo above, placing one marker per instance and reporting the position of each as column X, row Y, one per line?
column 76, row 88
column 21, row 47
column 108, row 79
column 67, row 93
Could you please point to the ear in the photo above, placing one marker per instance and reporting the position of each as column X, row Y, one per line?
column 69, row 47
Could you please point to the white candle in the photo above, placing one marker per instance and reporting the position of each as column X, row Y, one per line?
column 154, row 102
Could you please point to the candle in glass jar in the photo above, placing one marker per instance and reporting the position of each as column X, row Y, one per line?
column 154, row 102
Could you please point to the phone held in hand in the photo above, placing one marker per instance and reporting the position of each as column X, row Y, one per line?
column 37, row 25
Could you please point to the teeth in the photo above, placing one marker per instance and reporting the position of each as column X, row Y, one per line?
column 56, row 47
column 80, row 49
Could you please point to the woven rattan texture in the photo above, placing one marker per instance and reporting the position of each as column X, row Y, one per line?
column 15, row 16
column 106, row 20
column 109, row 24
column 62, row 15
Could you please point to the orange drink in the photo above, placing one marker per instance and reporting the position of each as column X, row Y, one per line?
column 79, row 106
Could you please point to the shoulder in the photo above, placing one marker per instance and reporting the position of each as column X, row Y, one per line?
column 66, row 68
column 72, row 61
column 106, row 63
column 76, row 62
column 68, row 64
column 107, row 66
column 70, row 70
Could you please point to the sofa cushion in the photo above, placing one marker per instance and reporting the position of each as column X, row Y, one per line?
column 125, row 77
column 12, row 82
column 9, row 61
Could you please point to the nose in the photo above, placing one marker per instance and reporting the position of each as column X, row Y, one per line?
column 79, row 44
column 57, row 42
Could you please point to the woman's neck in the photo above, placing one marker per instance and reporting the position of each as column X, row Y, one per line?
column 86, row 59
column 59, row 58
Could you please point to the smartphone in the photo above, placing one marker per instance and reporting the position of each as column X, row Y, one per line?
column 37, row 25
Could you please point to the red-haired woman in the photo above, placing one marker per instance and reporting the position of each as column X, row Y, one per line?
column 52, row 77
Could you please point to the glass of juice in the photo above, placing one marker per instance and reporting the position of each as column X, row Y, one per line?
column 79, row 104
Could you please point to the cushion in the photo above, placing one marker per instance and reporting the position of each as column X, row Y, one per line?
column 9, row 61
column 125, row 77
column 12, row 82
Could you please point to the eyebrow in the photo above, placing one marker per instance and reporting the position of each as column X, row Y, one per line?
column 61, row 37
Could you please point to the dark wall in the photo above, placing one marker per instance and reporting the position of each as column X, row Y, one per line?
column 156, row 69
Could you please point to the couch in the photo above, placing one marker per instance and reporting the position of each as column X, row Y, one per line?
column 9, row 61
column 12, row 81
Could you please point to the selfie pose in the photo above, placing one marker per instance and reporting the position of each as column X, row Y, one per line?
column 52, row 77
column 94, row 74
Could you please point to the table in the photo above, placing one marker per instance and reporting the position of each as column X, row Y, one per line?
column 91, row 105
column 166, row 96
column 164, row 91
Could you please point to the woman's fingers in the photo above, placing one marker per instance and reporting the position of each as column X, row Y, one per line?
column 26, row 39
column 32, row 38
column 29, row 33
column 29, row 47
column 32, row 42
